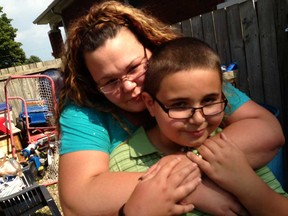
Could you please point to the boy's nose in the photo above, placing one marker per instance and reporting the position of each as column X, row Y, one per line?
column 197, row 118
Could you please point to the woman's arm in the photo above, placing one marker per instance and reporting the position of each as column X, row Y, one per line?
column 87, row 187
column 256, row 131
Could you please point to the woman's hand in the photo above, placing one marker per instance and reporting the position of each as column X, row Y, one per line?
column 161, row 189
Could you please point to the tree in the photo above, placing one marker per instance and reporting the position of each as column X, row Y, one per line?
column 11, row 53
column 32, row 59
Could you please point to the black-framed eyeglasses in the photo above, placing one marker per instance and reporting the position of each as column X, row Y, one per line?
column 188, row 112
column 132, row 75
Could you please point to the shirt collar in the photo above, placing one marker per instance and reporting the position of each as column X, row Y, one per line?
column 140, row 144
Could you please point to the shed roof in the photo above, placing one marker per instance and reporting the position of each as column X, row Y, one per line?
column 52, row 15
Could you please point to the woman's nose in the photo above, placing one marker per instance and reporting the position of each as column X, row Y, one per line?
column 128, row 85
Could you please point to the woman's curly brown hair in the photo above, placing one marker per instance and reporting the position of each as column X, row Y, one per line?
column 88, row 33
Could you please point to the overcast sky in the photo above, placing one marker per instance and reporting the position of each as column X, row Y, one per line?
column 34, row 38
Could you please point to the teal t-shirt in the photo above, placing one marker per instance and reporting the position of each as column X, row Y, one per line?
column 88, row 129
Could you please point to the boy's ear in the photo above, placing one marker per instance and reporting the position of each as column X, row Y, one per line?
column 149, row 102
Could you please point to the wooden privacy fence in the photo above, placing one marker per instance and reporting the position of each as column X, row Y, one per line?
column 245, row 34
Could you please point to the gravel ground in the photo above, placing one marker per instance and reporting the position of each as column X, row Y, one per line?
column 51, row 174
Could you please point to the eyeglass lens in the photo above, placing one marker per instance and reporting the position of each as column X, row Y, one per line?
column 208, row 110
column 132, row 76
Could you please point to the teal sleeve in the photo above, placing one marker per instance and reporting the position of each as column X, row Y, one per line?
column 235, row 98
column 87, row 129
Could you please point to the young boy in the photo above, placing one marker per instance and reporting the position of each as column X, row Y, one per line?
column 183, row 91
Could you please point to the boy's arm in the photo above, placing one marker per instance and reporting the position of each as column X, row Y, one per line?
column 226, row 164
column 254, row 194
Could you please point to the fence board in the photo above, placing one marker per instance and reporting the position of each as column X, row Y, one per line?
column 186, row 28
column 269, row 54
column 252, row 48
column 237, row 47
column 208, row 26
column 222, row 38
column 197, row 27
column 281, row 9
column 33, row 68
column 177, row 26
column 4, row 71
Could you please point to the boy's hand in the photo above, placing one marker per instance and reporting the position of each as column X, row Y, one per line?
column 223, row 162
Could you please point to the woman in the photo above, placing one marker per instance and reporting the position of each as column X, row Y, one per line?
column 100, row 106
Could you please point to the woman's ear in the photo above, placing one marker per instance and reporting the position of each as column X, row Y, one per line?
column 149, row 102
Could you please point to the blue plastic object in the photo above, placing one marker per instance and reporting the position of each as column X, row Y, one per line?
column 36, row 160
column 37, row 112
column 3, row 107
column 277, row 167
column 277, row 164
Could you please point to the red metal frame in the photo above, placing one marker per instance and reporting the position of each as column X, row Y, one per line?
column 7, row 98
